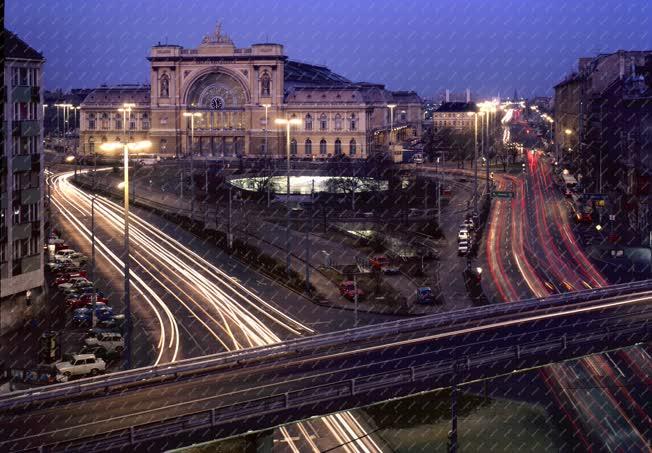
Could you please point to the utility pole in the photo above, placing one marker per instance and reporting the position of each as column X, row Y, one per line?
column 308, row 232
column 355, row 300
column 229, row 233
column 93, row 317
column 127, row 300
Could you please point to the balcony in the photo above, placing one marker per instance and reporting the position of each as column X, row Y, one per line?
column 22, row 163
column 22, row 231
column 26, row 128
column 30, row 196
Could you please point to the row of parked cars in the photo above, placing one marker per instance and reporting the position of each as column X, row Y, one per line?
column 103, row 341
column 465, row 236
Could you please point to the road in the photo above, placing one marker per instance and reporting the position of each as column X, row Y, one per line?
column 188, row 306
column 404, row 359
column 541, row 256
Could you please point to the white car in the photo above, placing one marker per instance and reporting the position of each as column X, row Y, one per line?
column 463, row 248
column 463, row 235
column 111, row 342
column 78, row 258
column 73, row 283
column 63, row 254
column 468, row 224
column 80, row 365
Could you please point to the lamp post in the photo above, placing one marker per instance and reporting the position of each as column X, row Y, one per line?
column 475, row 158
column 391, row 108
column 94, row 296
column 126, row 146
column 267, row 106
column 288, row 123
column 192, row 116
column 567, row 133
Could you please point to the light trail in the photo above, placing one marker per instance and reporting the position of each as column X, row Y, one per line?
column 212, row 297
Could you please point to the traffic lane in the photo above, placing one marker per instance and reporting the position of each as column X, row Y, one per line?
column 150, row 311
column 310, row 371
column 317, row 317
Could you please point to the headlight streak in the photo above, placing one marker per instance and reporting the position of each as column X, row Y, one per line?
column 152, row 241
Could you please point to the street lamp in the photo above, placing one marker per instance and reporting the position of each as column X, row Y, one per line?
column 288, row 123
column 94, row 296
column 126, row 146
column 489, row 108
column 192, row 116
column 475, row 158
column 391, row 108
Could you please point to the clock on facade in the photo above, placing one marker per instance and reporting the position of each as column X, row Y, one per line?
column 217, row 103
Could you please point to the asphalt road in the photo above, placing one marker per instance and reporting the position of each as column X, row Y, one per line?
column 481, row 341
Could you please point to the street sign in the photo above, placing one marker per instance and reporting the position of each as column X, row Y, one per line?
column 503, row 194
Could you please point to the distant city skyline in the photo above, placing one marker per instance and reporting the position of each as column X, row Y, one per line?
column 490, row 48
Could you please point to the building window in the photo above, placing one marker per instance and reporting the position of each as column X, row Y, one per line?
column 338, row 147
column 353, row 122
column 265, row 84
column 308, row 122
column 164, row 145
column 91, row 145
column 323, row 122
column 165, row 86
column 293, row 147
column 352, row 147
column 34, row 245
column 118, row 121
column 145, row 121
column 403, row 115
column 322, row 147
column 308, row 147
column 91, row 121
column 338, row 122
column 164, row 120
column 132, row 121
column 32, row 212
column 15, row 77
column 104, row 121
column 24, row 77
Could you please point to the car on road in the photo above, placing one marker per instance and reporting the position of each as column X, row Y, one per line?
column 113, row 323
column 58, row 264
column 80, row 365
column 417, row 158
column 391, row 269
column 463, row 248
column 110, row 341
column 78, row 258
column 78, row 287
column 463, row 235
column 348, row 289
column 66, row 277
column 446, row 191
column 72, row 282
column 379, row 261
column 425, row 296
column 82, row 316
column 468, row 224
column 65, row 253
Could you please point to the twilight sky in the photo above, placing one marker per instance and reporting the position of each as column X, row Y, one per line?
column 491, row 46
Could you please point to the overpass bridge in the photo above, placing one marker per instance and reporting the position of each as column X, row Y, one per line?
column 256, row 389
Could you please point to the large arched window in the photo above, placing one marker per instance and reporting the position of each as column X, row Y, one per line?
column 352, row 147
column 118, row 121
column 132, row 121
column 308, row 122
column 338, row 122
column 293, row 147
column 91, row 121
column 338, row 147
column 322, row 147
column 308, row 147
column 353, row 122
column 145, row 121
column 323, row 122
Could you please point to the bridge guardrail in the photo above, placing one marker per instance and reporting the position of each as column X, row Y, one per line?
column 149, row 375
column 260, row 407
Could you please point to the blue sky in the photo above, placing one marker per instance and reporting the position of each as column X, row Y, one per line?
column 428, row 46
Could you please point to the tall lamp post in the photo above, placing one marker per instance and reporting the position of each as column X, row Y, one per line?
column 391, row 108
column 475, row 158
column 126, row 147
column 567, row 133
column 94, row 296
column 192, row 116
column 288, row 123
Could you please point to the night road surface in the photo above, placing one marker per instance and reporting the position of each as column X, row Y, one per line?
column 188, row 306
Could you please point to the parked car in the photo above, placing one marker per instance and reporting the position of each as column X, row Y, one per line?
column 417, row 158
column 114, row 323
column 391, row 269
column 379, row 261
column 425, row 296
column 70, row 283
column 348, row 290
column 78, row 258
column 81, row 301
column 468, row 224
column 58, row 263
column 65, row 253
column 80, row 365
column 463, row 235
column 82, row 316
column 79, row 287
column 66, row 277
column 463, row 248
column 111, row 341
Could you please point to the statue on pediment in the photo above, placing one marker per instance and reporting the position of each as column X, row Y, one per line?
column 217, row 37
